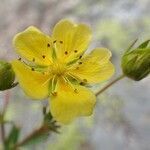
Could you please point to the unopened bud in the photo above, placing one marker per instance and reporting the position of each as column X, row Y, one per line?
column 136, row 63
column 7, row 75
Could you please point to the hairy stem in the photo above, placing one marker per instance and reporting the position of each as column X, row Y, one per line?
column 2, row 133
column 6, row 101
column 43, row 129
column 110, row 84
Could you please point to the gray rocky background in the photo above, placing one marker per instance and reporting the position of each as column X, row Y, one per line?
column 121, row 120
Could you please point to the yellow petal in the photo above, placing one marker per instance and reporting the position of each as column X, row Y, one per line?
column 72, row 39
column 69, row 104
column 35, row 84
column 34, row 45
column 95, row 67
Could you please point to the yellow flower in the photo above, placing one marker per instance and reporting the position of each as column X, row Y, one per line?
column 55, row 67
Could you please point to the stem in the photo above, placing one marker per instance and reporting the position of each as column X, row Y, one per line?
column 43, row 129
column 2, row 133
column 6, row 101
column 110, row 84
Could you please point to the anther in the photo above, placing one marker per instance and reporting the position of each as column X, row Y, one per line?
column 19, row 59
column 54, row 41
column 75, row 51
column 84, row 80
column 81, row 83
column 80, row 57
column 75, row 90
column 48, row 45
column 43, row 56
column 80, row 62
column 32, row 69
column 33, row 59
column 66, row 52
column 54, row 93
column 61, row 42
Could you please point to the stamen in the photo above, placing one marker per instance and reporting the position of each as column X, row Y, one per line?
column 74, row 77
column 43, row 56
column 80, row 62
column 80, row 57
column 75, row 90
column 53, row 83
column 25, row 63
column 48, row 45
column 54, row 41
column 54, row 93
column 81, row 83
column 61, row 42
column 46, row 81
column 66, row 52
column 19, row 59
column 32, row 69
column 70, row 84
column 84, row 80
column 75, row 51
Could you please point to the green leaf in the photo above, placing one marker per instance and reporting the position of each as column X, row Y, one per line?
column 50, row 123
column 12, row 138
column 47, row 118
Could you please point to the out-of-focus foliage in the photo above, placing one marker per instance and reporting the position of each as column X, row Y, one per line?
column 69, row 139
column 112, row 28
column 12, row 138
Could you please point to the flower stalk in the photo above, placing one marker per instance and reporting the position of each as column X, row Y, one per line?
column 6, row 101
column 2, row 132
column 110, row 84
column 37, row 132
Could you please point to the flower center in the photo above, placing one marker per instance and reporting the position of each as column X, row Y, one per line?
column 57, row 69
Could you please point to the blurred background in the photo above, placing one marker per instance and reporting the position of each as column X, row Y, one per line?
column 121, row 120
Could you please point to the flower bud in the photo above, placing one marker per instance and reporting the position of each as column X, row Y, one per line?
column 7, row 75
column 136, row 63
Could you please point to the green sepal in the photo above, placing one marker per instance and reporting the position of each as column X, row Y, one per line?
column 136, row 63
column 144, row 44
